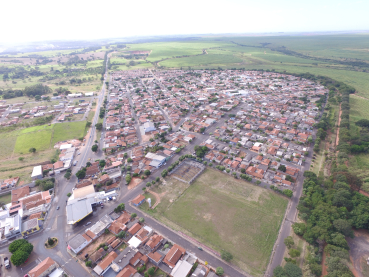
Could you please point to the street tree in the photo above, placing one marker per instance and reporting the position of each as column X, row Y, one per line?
column 219, row 271
column 288, row 241
column 94, row 148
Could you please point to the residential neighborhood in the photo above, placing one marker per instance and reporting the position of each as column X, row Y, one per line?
column 249, row 125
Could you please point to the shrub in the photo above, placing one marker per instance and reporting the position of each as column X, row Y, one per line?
column 226, row 256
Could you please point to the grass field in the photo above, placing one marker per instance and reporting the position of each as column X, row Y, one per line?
column 6, row 198
column 224, row 213
column 68, row 130
column 39, row 140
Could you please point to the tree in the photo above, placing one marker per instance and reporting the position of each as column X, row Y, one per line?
column 15, row 245
column 141, row 220
column 81, row 174
column 288, row 241
column 32, row 150
column 226, row 256
column 21, row 159
column 102, row 163
column 147, row 172
column 99, row 126
column 282, row 167
column 299, row 228
column 19, row 257
column 279, row 272
column 151, row 271
column 292, row 270
column 133, row 215
column 120, row 208
column 121, row 234
column 157, row 179
column 129, row 160
column 94, row 148
column 128, row 178
column 67, row 175
column 219, row 271
column 50, row 241
column 288, row 192
column 294, row 253
column 88, row 263
column 69, row 194
column 344, row 227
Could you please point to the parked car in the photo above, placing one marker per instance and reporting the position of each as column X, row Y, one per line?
column 88, row 223
column 7, row 262
column 57, row 207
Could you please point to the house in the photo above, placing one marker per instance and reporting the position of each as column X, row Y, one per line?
column 20, row 193
column 156, row 257
column 138, row 200
column 43, row 269
column 153, row 242
column 173, row 256
column 37, row 173
column 79, row 242
column 200, row 271
column 105, row 264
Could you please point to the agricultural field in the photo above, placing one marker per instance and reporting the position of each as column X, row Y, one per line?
column 224, row 213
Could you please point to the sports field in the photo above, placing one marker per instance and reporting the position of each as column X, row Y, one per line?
column 224, row 213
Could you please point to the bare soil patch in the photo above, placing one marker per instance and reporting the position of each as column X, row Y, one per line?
column 92, row 247
column 134, row 182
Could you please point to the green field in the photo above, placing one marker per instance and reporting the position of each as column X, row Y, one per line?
column 68, row 130
column 6, row 198
column 39, row 140
column 224, row 213
column 40, row 137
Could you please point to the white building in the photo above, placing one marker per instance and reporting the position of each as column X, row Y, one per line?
column 37, row 172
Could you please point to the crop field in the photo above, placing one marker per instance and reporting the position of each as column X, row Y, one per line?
column 224, row 213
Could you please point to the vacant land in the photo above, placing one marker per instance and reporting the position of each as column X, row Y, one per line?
column 6, row 198
column 39, row 140
column 224, row 213
column 68, row 130
column 18, row 142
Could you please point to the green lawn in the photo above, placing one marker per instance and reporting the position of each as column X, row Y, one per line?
column 225, row 213
column 39, row 140
column 68, row 130
column 7, row 142
column 37, row 128
column 6, row 198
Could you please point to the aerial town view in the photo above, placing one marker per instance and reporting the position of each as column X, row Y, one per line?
column 243, row 151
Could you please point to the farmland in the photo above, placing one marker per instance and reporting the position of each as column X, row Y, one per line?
column 224, row 213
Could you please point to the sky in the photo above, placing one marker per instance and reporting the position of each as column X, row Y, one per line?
column 38, row 20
